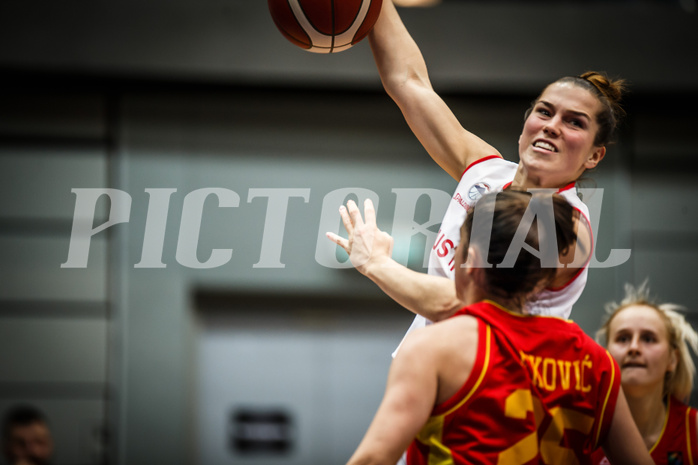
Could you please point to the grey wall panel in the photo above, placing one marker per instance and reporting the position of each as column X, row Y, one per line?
column 660, row 139
column 36, row 183
column 190, row 143
column 52, row 350
column 472, row 45
column 39, row 113
column 298, row 359
column 670, row 273
column 665, row 204
column 31, row 270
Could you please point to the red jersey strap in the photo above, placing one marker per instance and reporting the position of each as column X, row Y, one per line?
column 691, row 434
column 477, row 374
column 609, row 403
column 560, row 190
column 480, row 160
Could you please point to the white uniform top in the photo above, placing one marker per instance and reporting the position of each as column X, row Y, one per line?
column 493, row 174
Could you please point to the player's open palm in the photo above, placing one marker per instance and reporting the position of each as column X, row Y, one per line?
column 366, row 245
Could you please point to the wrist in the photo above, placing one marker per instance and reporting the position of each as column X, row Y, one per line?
column 375, row 267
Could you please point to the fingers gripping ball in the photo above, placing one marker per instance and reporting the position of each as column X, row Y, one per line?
column 324, row 26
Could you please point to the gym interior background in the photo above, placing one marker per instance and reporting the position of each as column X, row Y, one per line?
column 274, row 356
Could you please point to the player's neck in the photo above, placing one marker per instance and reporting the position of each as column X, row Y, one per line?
column 649, row 412
column 472, row 294
column 512, row 305
column 525, row 180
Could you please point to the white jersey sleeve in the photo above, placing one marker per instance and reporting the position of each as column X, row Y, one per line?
column 493, row 174
column 489, row 174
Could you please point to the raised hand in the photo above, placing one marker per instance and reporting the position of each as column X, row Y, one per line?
column 366, row 245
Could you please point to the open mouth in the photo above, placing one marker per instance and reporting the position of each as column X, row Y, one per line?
column 633, row 365
column 541, row 144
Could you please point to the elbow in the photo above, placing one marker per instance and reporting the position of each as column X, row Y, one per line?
column 372, row 459
column 445, row 309
column 401, row 86
column 394, row 87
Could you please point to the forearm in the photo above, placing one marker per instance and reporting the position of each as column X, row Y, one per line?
column 433, row 297
column 405, row 78
column 397, row 56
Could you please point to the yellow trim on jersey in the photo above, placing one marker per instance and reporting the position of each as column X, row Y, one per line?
column 688, row 435
column 605, row 402
column 485, row 364
column 666, row 421
column 523, row 315
column 431, row 433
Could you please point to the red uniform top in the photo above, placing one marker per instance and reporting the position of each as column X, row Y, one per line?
column 540, row 392
column 677, row 444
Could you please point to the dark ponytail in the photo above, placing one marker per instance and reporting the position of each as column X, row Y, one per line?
column 528, row 275
column 609, row 92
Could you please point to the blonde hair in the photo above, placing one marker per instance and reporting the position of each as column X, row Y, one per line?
column 681, row 335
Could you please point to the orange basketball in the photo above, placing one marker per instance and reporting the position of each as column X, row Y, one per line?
column 324, row 26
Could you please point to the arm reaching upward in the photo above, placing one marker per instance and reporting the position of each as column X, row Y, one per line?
column 369, row 249
column 405, row 78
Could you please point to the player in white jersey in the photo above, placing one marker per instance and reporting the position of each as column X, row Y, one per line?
column 565, row 133
column 493, row 174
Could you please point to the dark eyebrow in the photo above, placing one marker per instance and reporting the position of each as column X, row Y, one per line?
column 574, row 112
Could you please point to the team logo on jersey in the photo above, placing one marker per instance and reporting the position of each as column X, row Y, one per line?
column 477, row 190
column 674, row 458
column 474, row 193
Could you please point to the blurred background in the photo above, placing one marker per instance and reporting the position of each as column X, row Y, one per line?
column 279, row 355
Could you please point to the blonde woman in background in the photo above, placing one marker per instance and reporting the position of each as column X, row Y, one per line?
column 650, row 343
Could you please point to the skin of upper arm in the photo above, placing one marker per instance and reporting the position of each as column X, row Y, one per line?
column 448, row 143
column 577, row 255
column 406, row 406
column 429, row 368
column 405, row 77
column 624, row 444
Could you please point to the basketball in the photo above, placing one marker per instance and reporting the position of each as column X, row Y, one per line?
column 324, row 26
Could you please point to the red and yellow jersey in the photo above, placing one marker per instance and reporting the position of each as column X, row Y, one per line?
column 540, row 392
column 677, row 445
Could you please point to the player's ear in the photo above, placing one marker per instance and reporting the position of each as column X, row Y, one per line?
column 595, row 157
column 473, row 261
column 673, row 361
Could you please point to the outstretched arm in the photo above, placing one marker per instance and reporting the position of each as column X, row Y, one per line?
column 405, row 78
column 409, row 398
column 370, row 249
column 430, row 368
column 624, row 444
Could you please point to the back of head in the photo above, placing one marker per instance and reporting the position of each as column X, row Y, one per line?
column 523, row 226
